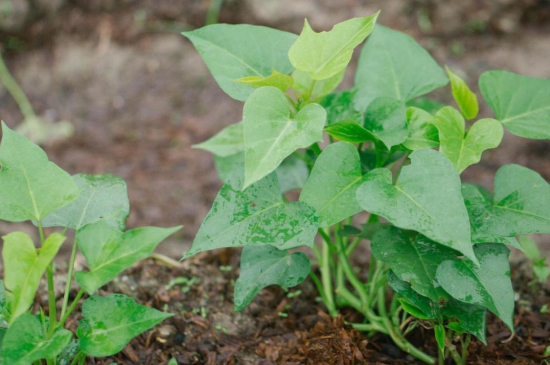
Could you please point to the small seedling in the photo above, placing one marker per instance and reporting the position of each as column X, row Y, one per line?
column 95, row 207
column 384, row 148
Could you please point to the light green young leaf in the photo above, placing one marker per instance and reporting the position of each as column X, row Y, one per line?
column 464, row 97
column 235, row 51
column 24, row 266
column 465, row 150
column 332, row 184
column 325, row 54
column 24, row 342
column 422, row 133
column 393, row 65
column 426, row 198
column 103, row 197
column 271, row 134
column 339, row 107
column 264, row 266
column 530, row 248
column 110, row 322
column 350, row 131
column 439, row 331
column 488, row 285
column 31, row 186
column 227, row 142
column 292, row 173
column 109, row 251
column 386, row 118
column 414, row 262
column 254, row 217
column 520, row 103
column 304, row 84
column 520, row 205
column 276, row 79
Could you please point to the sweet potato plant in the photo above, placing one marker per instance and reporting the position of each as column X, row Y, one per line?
column 95, row 207
column 381, row 148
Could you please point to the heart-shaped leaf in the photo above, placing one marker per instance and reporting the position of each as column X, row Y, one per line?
column 24, row 342
column 222, row 47
column 520, row 205
column 110, row 322
column 103, row 197
column 292, row 173
column 332, row 184
column 264, row 266
column 487, row 285
column 325, row 54
column 339, row 107
column 465, row 150
column 520, row 103
column 109, row 251
column 422, row 134
column 227, row 142
column 426, row 198
column 24, row 266
column 414, row 262
column 386, row 119
column 254, row 217
column 393, row 64
column 464, row 97
column 271, row 134
column 276, row 79
column 31, row 187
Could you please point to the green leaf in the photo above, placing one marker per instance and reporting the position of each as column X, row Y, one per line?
column 292, row 173
column 31, row 187
column 103, row 197
column 464, row 97
column 439, row 330
column 367, row 231
column 109, row 251
column 520, row 205
column 349, row 131
column 393, row 65
column 325, row 54
column 465, row 150
column 422, row 134
column 413, row 262
column 530, row 248
column 424, row 305
column 339, row 107
column 386, row 119
column 304, row 84
column 66, row 356
column 254, row 217
column 471, row 317
column 110, row 322
column 520, row 103
column 276, row 79
column 24, row 266
column 271, row 134
column 333, row 182
column 487, row 285
column 25, row 342
column 426, row 198
column 235, row 51
column 227, row 142
column 428, row 105
column 264, row 266
column 231, row 169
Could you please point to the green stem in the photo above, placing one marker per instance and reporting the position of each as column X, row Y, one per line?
column 71, row 308
column 213, row 14
column 51, row 287
column 15, row 90
column 69, row 278
column 352, row 278
column 327, row 280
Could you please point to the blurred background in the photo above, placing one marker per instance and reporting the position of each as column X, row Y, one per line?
column 138, row 95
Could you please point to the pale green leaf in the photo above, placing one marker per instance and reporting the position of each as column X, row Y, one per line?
column 271, row 133
column 325, row 54
column 31, row 187
column 465, row 98
column 254, row 217
column 530, row 248
column 110, row 322
column 292, row 173
column 520, row 103
column 227, row 142
column 264, row 266
column 426, row 198
column 393, row 64
column 235, row 51
column 422, row 134
column 304, row 84
column 276, row 79
column 231, row 169
column 24, row 266
column 465, row 149
column 109, row 251
column 103, row 197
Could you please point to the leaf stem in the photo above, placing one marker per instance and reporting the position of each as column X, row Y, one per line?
column 71, row 308
column 15, row 90
column 326, row 276
column 52, row 308
column 69, row 277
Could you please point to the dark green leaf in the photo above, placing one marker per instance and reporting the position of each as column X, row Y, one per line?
column 471, row 317
column 439, row 330
column 264, row 266
column 386, row 119
column 407, row 295
column 67, row 355
column 339, row 107
column 349, row 131
column 422, row 134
